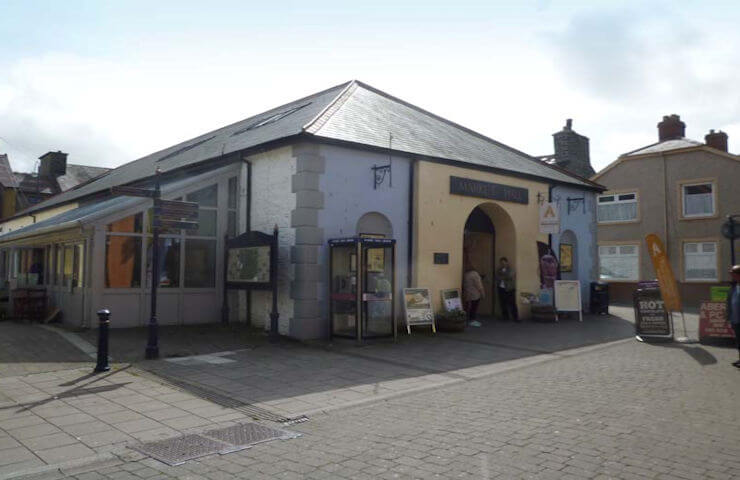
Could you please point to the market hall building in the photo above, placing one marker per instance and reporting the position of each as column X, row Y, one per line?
column 344, row 162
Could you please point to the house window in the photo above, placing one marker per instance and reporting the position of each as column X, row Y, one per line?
column 123, row 253
column 698, row 199
column 619, row 262
column 617, row 207
column 700, row 261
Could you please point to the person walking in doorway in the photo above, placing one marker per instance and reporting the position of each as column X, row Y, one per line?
column 473, row 291
column 733, row 307
column 506, row 286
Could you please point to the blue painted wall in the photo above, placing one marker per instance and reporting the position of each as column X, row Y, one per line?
column 581, row 221
column 347, row 184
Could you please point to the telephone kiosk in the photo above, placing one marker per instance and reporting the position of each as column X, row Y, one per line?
column 362, row 284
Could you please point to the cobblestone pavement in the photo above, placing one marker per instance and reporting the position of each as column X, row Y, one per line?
column 624, row 410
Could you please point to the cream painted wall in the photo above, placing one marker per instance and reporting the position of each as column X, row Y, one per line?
column 440, row 218
column 27, row 220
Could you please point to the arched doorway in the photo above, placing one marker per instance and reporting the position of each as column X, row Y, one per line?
column 479, row 247
column 488, row 235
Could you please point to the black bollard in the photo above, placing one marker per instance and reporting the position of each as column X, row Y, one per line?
column 104, row 319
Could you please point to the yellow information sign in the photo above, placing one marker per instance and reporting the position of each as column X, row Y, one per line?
column 666, row 279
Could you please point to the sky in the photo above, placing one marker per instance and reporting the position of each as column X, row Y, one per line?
column 111, row 81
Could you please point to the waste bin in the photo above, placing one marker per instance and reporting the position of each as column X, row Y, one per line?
column 599, row 298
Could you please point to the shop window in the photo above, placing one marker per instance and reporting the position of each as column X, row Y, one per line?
column 232, row 193
column 69, row 257
column 619, row 262
column 231, row 225
column 169, row 262
column 700, row 261
column 698, row 199
column 79, row 264
column 59, row 255
column 122, row 262
column 200, row 263
column 131, row 224
column 617, row 207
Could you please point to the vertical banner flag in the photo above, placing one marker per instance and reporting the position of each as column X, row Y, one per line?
column 549, row 218
column 666, row 279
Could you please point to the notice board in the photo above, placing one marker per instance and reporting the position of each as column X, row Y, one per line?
column 651, row 317
column 713, row 322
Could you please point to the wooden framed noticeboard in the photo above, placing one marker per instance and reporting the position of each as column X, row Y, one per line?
column 417, row 308
column 568, row 297
column 250, row 261
column 451, row 299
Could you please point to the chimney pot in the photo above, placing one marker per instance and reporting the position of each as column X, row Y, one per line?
column 671, row 127
column 569, row 124
column 53, row 164
column 716, row 140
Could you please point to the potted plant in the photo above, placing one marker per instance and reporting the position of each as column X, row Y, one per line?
column 452, row 320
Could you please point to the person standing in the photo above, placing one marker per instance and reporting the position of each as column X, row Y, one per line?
column 733, row 307
column 506, row 286
column 473, row 291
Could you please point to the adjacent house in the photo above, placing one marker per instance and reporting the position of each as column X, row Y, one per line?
column 679, row 189
column 575, row 244
column 350, row 161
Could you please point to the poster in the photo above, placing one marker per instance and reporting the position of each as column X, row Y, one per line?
column 375, row 256
column 719, row 293
column 451, row 299
column 249, row 265
column 417, row 306
column 713, row 321
column 566, row 257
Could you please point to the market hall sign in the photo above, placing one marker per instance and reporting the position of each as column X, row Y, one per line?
column 494, row 191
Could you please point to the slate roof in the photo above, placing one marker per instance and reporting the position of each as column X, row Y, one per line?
column 7, row 179
column 665, row 145
column 352, row 112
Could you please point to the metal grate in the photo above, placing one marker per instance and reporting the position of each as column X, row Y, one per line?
column 176, row 451
column 249, row 434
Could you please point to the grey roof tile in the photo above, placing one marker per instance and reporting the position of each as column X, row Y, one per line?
column 7, row 179
column 665, row 145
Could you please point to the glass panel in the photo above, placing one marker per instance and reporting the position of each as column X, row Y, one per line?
column 622, row 266
column 617, row 212
column 80, row 265
column 162, row 231
column 627, row 196
column 130, row 224
column 606, row 199
column 691, row 247
column 698, row 200
column 206, row 224
column 708, row 247
column 378, row 298
column 200, row 263
column 207, row 197
column 169, row 262
column 344, row 290
column 701, row 266
column 69, row 257
column 60, row 265
column 232, row 193
column 231, row 224
column 122, row 262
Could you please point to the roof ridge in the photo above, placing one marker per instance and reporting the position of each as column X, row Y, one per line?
column 696, row 142
column 330, row 109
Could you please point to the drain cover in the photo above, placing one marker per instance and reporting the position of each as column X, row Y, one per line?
column 178, row 450
column 249, row 434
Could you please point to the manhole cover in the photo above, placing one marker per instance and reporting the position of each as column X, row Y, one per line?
column 249, row 434
column 178, row 450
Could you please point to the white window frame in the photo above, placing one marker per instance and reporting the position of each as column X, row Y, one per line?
column 618, row 247
column 700, row 244
column 695, row 184
column 617, row 200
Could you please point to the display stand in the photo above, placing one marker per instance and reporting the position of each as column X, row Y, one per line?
column 362, row 282
column 568, row 297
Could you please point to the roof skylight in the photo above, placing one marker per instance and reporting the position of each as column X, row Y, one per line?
column 271, row 119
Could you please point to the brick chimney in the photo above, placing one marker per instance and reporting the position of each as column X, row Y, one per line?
column 671, row 128
column 716, row 140
column 572, row 151
column 53, row 164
